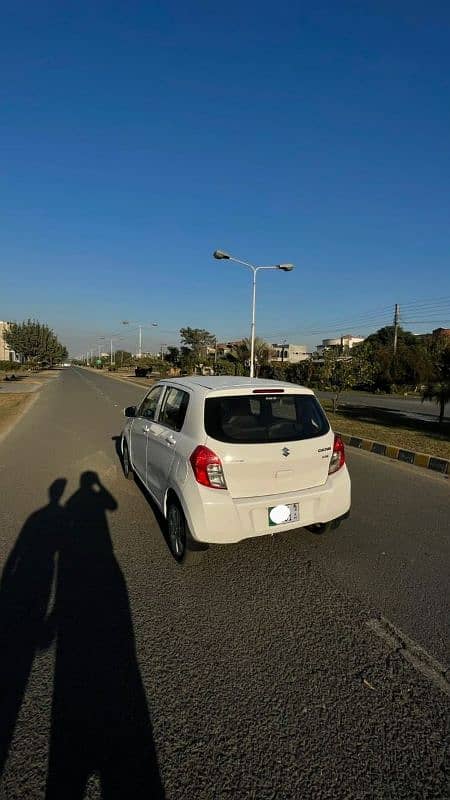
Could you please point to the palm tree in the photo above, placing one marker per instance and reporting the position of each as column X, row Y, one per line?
column 440, row 393
column 241, row 351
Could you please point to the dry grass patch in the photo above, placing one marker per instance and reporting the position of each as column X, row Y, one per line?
column 10, row 406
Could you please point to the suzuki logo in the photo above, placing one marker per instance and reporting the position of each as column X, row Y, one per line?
column 285, row 451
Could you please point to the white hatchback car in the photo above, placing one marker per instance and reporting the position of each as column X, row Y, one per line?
column 230, row 458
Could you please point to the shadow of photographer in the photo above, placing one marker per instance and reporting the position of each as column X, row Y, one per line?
column 100, row 720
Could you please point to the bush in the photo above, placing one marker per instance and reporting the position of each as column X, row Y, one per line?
column 10, row 366
column 224, row 367
column 276, row 372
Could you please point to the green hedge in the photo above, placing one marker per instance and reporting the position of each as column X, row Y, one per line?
column 10, row 366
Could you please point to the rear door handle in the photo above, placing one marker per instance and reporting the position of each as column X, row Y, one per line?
column 146, row 429
column 170, row 440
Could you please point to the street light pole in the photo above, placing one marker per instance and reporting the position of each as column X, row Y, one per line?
column 252, row 337
column 140, row 326
column 220, row 254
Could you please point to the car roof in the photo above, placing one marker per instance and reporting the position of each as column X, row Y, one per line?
column 216, row 383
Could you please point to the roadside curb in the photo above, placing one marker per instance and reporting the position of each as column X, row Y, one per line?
column 434, row 463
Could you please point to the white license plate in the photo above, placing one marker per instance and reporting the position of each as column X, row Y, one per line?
column 283, row 514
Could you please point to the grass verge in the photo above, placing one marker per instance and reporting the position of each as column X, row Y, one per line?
column 11, row 405
column 429, row 438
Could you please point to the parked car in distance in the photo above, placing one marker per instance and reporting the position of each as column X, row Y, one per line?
column 142, row 372
column 228, row 458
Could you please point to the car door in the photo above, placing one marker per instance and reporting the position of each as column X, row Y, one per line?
column 139, row 433
column 163, row 437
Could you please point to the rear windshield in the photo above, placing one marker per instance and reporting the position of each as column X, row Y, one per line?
column 267, row 418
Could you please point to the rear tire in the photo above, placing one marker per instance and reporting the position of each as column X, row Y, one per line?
column 126, row 463
column 183, row 548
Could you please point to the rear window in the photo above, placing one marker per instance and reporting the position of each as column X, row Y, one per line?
column 248, row 419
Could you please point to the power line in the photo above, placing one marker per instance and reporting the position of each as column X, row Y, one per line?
column 426, row 321
column 426, row 301
column 381, row 322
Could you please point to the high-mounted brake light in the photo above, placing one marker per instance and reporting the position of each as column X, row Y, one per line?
column 207, row 468
column 268, row 391
column 338, row 458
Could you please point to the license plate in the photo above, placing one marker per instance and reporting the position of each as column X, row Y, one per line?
column 283, row 514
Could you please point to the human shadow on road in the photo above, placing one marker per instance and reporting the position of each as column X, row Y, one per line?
column 25, row 590
column 100, row 719
column 100, row 723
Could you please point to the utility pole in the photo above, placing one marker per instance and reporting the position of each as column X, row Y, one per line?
column 111, row 352
column 140, row 342
column 396, row 321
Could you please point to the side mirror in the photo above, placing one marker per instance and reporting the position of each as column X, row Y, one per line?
column 130, row 411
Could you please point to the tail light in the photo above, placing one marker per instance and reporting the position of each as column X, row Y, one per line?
column 207, row 468
column 338, row 458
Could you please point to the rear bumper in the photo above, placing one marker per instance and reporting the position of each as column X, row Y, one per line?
column 217, row 518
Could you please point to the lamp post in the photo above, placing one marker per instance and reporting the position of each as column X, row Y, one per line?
column 100, row 339
column 140, row 326
column 219, row 255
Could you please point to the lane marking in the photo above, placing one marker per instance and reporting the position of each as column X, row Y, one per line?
column 412, row 652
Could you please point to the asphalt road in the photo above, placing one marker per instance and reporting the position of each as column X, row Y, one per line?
column 252, row 674
column 410, row 405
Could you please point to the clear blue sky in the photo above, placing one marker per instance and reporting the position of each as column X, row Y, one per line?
column 137, row 137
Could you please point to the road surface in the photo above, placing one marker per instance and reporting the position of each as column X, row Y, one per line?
column 252, row 674
column 411, row 406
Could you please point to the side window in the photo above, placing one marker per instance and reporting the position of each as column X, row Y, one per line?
column 174, row 409
column 149, row 403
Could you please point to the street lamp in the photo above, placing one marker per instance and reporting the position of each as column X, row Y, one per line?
column 140, row 326
column 100, row 339
column 221, row 255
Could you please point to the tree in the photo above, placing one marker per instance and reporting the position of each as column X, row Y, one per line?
column 123, row 358
column 440, row 393
column 35, row 342
column 305, row 373
column 173, row 356
column 382, row 370
column 337, row 373
column 242, row 350
column 187, row 360
column 438, row 389
column 225, row 366
column 197, row 340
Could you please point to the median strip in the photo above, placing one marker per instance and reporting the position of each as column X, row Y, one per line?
column 441, row 465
